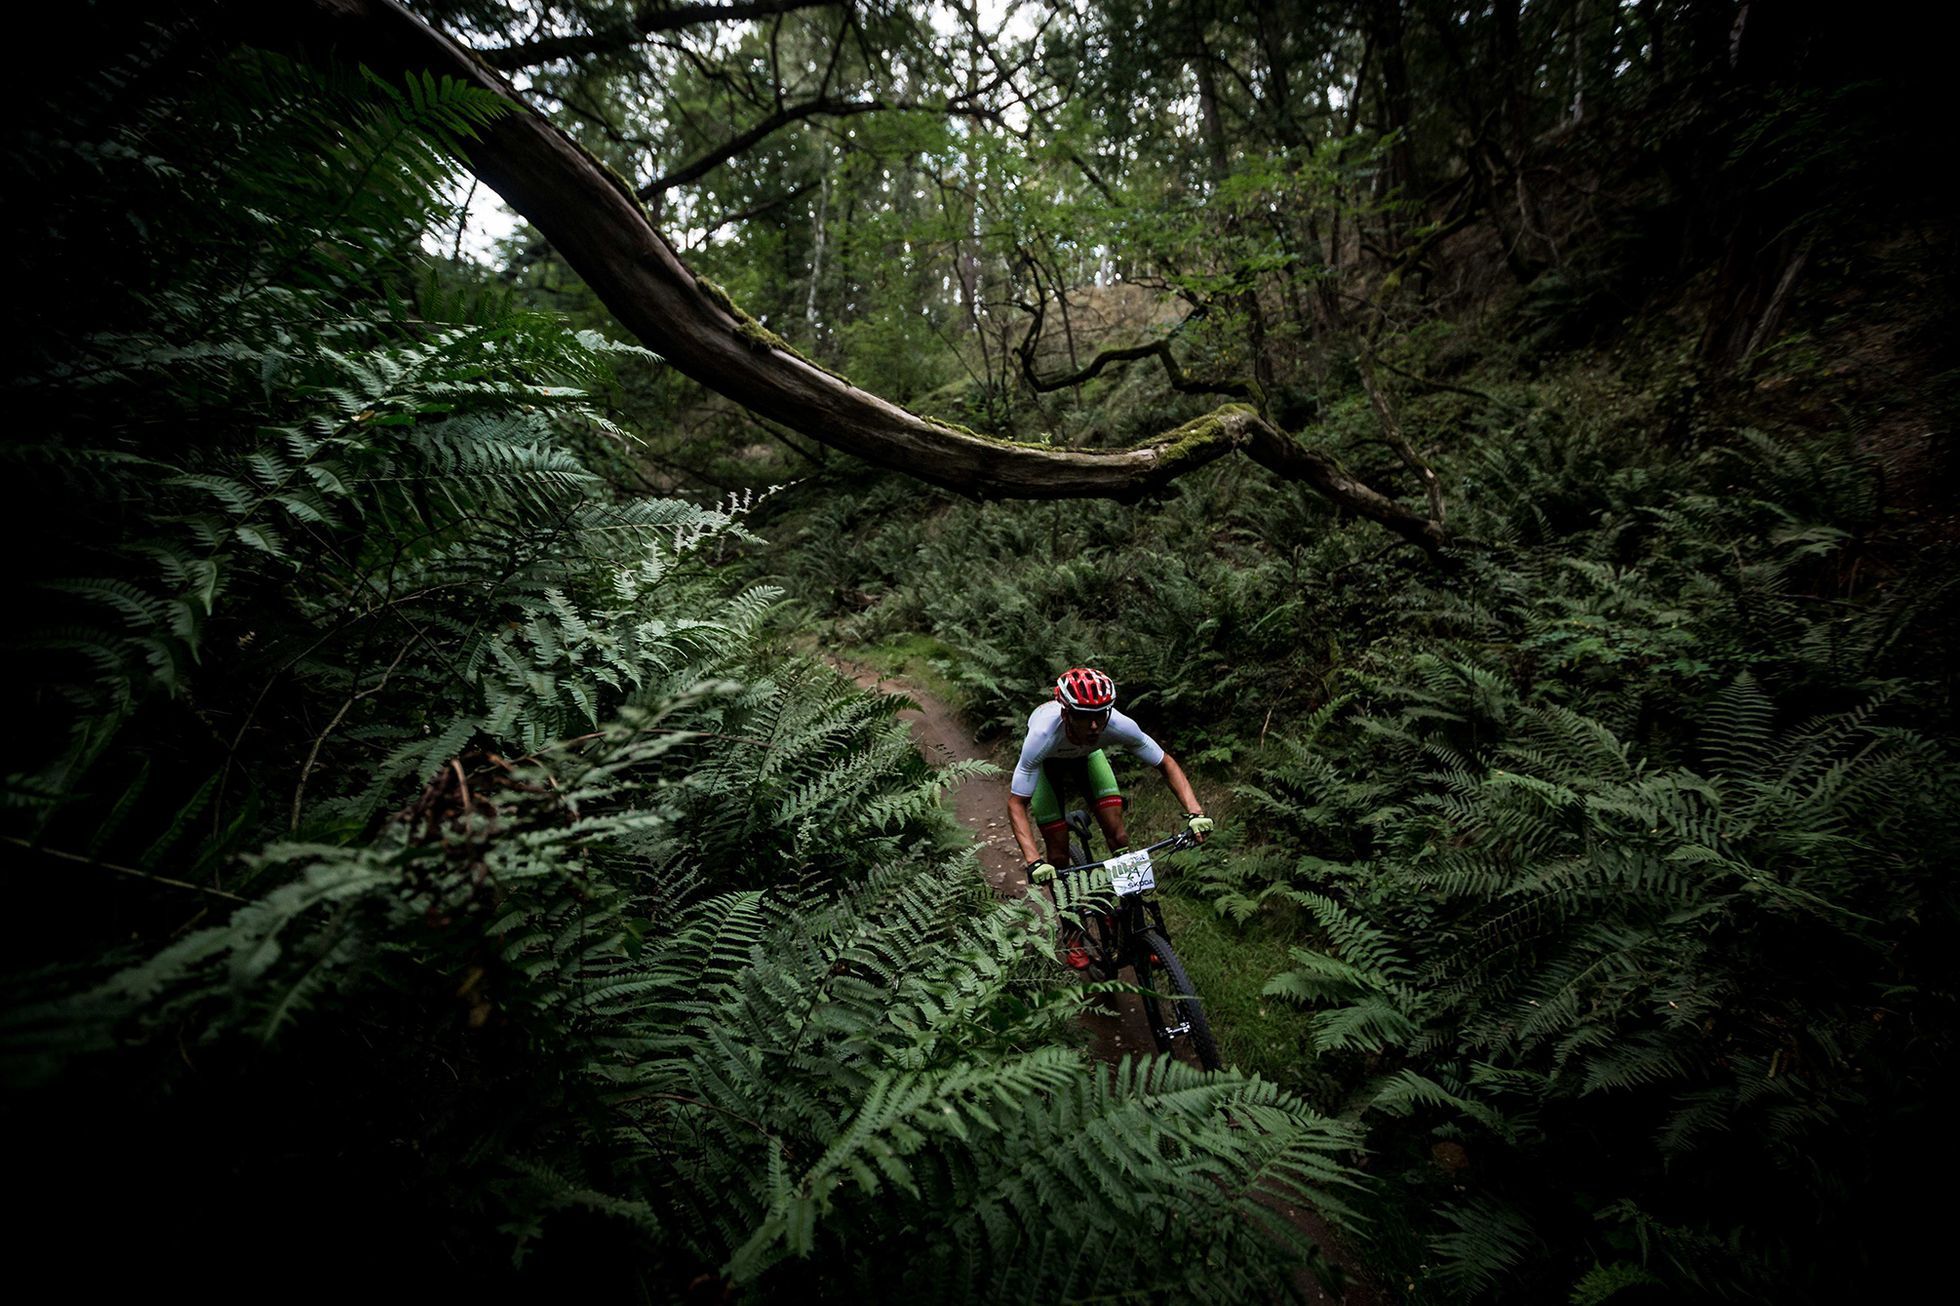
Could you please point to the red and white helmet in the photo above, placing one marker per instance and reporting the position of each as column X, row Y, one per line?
column 1084, row 689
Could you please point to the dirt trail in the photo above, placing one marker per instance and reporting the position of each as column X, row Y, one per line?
column 981, row 805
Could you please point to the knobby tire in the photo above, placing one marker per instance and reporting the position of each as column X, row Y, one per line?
column 1078, row 849
column 1180, row 1005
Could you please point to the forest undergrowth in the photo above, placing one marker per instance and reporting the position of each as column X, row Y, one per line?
column 1599, row 872
column 428, row 865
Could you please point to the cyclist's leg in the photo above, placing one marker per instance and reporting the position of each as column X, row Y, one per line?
column 1079, row 779
column 1108, row 800
column 1045, row 808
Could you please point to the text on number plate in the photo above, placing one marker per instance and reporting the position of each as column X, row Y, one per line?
column 1131, row 873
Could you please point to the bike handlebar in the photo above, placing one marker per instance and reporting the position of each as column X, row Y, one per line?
column 1175, row 843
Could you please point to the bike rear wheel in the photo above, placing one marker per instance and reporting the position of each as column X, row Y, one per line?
column 1176, row 1014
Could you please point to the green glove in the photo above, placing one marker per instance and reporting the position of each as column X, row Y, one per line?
column 1200, row 825
column 1040, row 872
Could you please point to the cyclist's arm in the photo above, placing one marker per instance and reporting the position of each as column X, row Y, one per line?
column 1019, row 820
column 1174, row 777
column 1042, row 723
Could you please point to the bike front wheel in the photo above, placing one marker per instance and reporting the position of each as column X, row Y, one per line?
column 1078, row 848
column 1176, row 1014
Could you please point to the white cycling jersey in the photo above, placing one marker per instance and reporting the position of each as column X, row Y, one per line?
column 1048, row 737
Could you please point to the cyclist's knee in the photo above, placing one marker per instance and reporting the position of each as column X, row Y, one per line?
column 1055, row 837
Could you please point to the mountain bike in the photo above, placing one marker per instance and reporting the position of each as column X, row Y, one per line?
column 1133, row 936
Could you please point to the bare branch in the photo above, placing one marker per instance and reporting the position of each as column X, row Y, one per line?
column 754, row 211
column 1180, row 380
column 1391, row 425
column 152, row 876
column 1434, row 384
column 783, row 117
column 624, row 36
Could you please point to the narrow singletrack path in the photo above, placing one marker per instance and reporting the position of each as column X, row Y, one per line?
column 1121, row 1028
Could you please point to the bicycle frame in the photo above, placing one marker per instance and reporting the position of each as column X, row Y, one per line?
column 1134, row 913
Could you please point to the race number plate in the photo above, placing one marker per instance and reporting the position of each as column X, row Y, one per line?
column 1131, row 873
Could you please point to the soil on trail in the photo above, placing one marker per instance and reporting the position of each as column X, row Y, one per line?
column 1120, row 1028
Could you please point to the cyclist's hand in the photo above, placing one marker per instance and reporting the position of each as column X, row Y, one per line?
column 1200, row 826
column 1040, row 872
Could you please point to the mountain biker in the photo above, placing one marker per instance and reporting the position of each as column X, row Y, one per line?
column 1063, row 755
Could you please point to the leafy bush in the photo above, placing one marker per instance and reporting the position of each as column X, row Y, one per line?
column 1619, row 886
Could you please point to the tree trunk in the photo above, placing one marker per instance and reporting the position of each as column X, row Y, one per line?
column 1279, row 80
column 818, row 231
column 1650, row 25
column 1385, row 16
column 1578, row 60
column 1507, row 59
column 1218, row 152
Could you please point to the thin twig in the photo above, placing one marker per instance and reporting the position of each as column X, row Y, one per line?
column 313, row 755
column 123, row 870
column 1392, row 432
column 463, row 220
column 756, row 1125
column 1434, row 384
column 599, row 734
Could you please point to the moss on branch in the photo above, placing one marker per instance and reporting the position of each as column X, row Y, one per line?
column 756, row 335
column 1198, row 440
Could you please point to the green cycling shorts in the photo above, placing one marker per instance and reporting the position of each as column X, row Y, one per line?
column 1062, row 777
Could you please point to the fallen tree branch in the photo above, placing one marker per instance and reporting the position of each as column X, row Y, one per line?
column 598, row 224
column 1281, row 453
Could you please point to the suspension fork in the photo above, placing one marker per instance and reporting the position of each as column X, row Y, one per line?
column 1131, row 922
